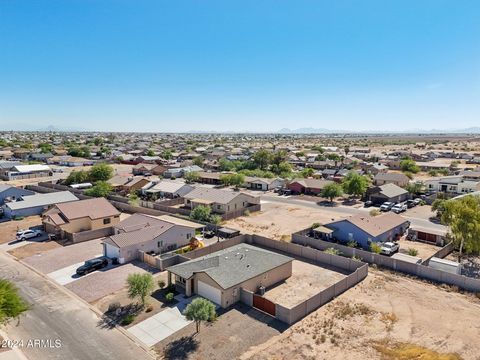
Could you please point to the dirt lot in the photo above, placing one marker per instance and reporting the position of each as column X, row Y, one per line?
column 34, row 249
column 9, row 229
column 279, row 221
column 306, row 281
column 385, row 314
column 233, row 333
column 424, row 250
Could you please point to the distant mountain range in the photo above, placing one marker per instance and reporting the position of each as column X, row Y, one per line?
column 30, row 127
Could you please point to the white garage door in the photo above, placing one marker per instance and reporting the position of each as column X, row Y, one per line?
column 209, row 292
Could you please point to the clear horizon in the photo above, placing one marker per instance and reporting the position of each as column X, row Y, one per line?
column 156, row 66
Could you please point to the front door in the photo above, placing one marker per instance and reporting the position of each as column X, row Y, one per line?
column 192, row 286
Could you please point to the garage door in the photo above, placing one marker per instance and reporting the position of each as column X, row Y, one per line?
column 209, row 292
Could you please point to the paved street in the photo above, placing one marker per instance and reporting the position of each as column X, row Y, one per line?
column 346, row 210
column 55, row 315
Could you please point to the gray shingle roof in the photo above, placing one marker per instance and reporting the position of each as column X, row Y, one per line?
column 232, row 266
column 392, row 190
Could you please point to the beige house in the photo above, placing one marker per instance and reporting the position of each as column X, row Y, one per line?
column 398, row 179
column 149, row 234
column 221, row 201
column 78, row 216
column 221, row 276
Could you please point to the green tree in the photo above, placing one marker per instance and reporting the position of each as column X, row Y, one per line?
column 355, row 184
column 307, row 172
column 199, row 310
column 166, row 154
column 409, row 165
column 191, row 177
column 77, row 177
column 11, row 304
column 133, row 199
column 463, row 217
column 439, row 206
column 140, row 286
column 414, row 188
column 232, row 179
column 100, row 189
column 150, row 152
column 262, row 159
column 331, row 191
column 45, row 148
column 100, row 172
column 198, row 161
column 201, row 213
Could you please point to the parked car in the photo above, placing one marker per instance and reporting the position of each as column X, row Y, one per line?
column 27, row 234
column 92, row 265
column 278, row 189
column 368, row 203
column 398, row 208
column 209, row 234
column 410, row 204
column 386, row 206
column 417, row 201
column 389, row 248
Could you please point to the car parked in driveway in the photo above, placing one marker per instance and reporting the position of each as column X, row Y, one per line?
column 368, row 203
column 23, row 235
column 389, row 248
column 417, row 201
column 398, row 208
column 386, row 206
column 92, row 265
column 410, row 203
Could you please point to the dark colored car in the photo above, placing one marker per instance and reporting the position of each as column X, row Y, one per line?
column 92, row 265
column 209, row 234
column 410, row 204
column 368, row 203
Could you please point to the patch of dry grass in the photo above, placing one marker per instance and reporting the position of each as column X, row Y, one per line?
column 409, row 351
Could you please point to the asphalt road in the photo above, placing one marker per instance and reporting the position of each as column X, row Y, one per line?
column 345, row 210
column 56, row 316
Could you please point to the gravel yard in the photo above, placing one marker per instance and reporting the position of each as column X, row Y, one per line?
column 102, row 283
column 9, row 229
column 306, row 281
column 34, row 249
column 61, row 257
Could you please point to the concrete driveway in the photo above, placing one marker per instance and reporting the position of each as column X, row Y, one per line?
column 68, row 274
column 163, row 324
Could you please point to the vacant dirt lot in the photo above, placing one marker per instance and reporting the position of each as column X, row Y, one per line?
column 233, row 333
column 279, row 221
column 424, row 250
column 9, row 229
column 34, row 249
column 306, row 281
column 384, row 308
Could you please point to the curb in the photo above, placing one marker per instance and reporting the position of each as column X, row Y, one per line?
column 70, row 293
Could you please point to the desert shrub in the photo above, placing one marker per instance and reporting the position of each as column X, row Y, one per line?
column 374, row 212
column 246, row 213
column 127, row 320
column 112, row 307
column 352, row 244
column 332, row 251
column 161, row 284
column 375, row 248
column 169, row 297
column 412, row 252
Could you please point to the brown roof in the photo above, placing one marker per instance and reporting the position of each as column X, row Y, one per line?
column 312, row 183
column 376, row 225
column 139, row 221
column 138, row 236
column 93, row 208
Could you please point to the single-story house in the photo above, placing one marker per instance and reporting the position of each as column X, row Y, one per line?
column 18, row 172
column 212, row 178
column 387, row 192
column 221, row 201
column 145, row 168
column 366, row 229
column 398, row 179
column 264, row 184
column 454, row 185
column 78, row 216
column 146, row 233
column 10, row 193
column 221, row 276
column 308, row 186
column 176, row 172
column 36, row 204
column 169, row 189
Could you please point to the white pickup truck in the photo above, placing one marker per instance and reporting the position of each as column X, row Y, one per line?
column 389, row 248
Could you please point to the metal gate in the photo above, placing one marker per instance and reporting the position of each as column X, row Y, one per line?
column 263, row 304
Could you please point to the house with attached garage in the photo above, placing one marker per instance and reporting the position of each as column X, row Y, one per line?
column 308, row 186
column 366, row 229
column 169, row 189
column 221, row 201
column 78, row 216
column 149, row 234
column 36, row 204
column 221, row 276
column 388, row 192
column 264, row 184
column 398, row 179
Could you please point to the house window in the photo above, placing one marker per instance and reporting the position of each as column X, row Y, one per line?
column 107, row 221
column 189, row 236
column 219, row 207
column 160, row 244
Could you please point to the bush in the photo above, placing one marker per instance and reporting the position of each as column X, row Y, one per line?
column 161, row 284
column 332, row 251
column 169, row 297
column 127, row 320
column 352, row 244
column 315, row 225
column 374, row 212
column 112, row 307
column 412, row 252
column 375, row 248
column 246, row 212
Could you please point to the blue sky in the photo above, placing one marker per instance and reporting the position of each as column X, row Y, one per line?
column 240, row 65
